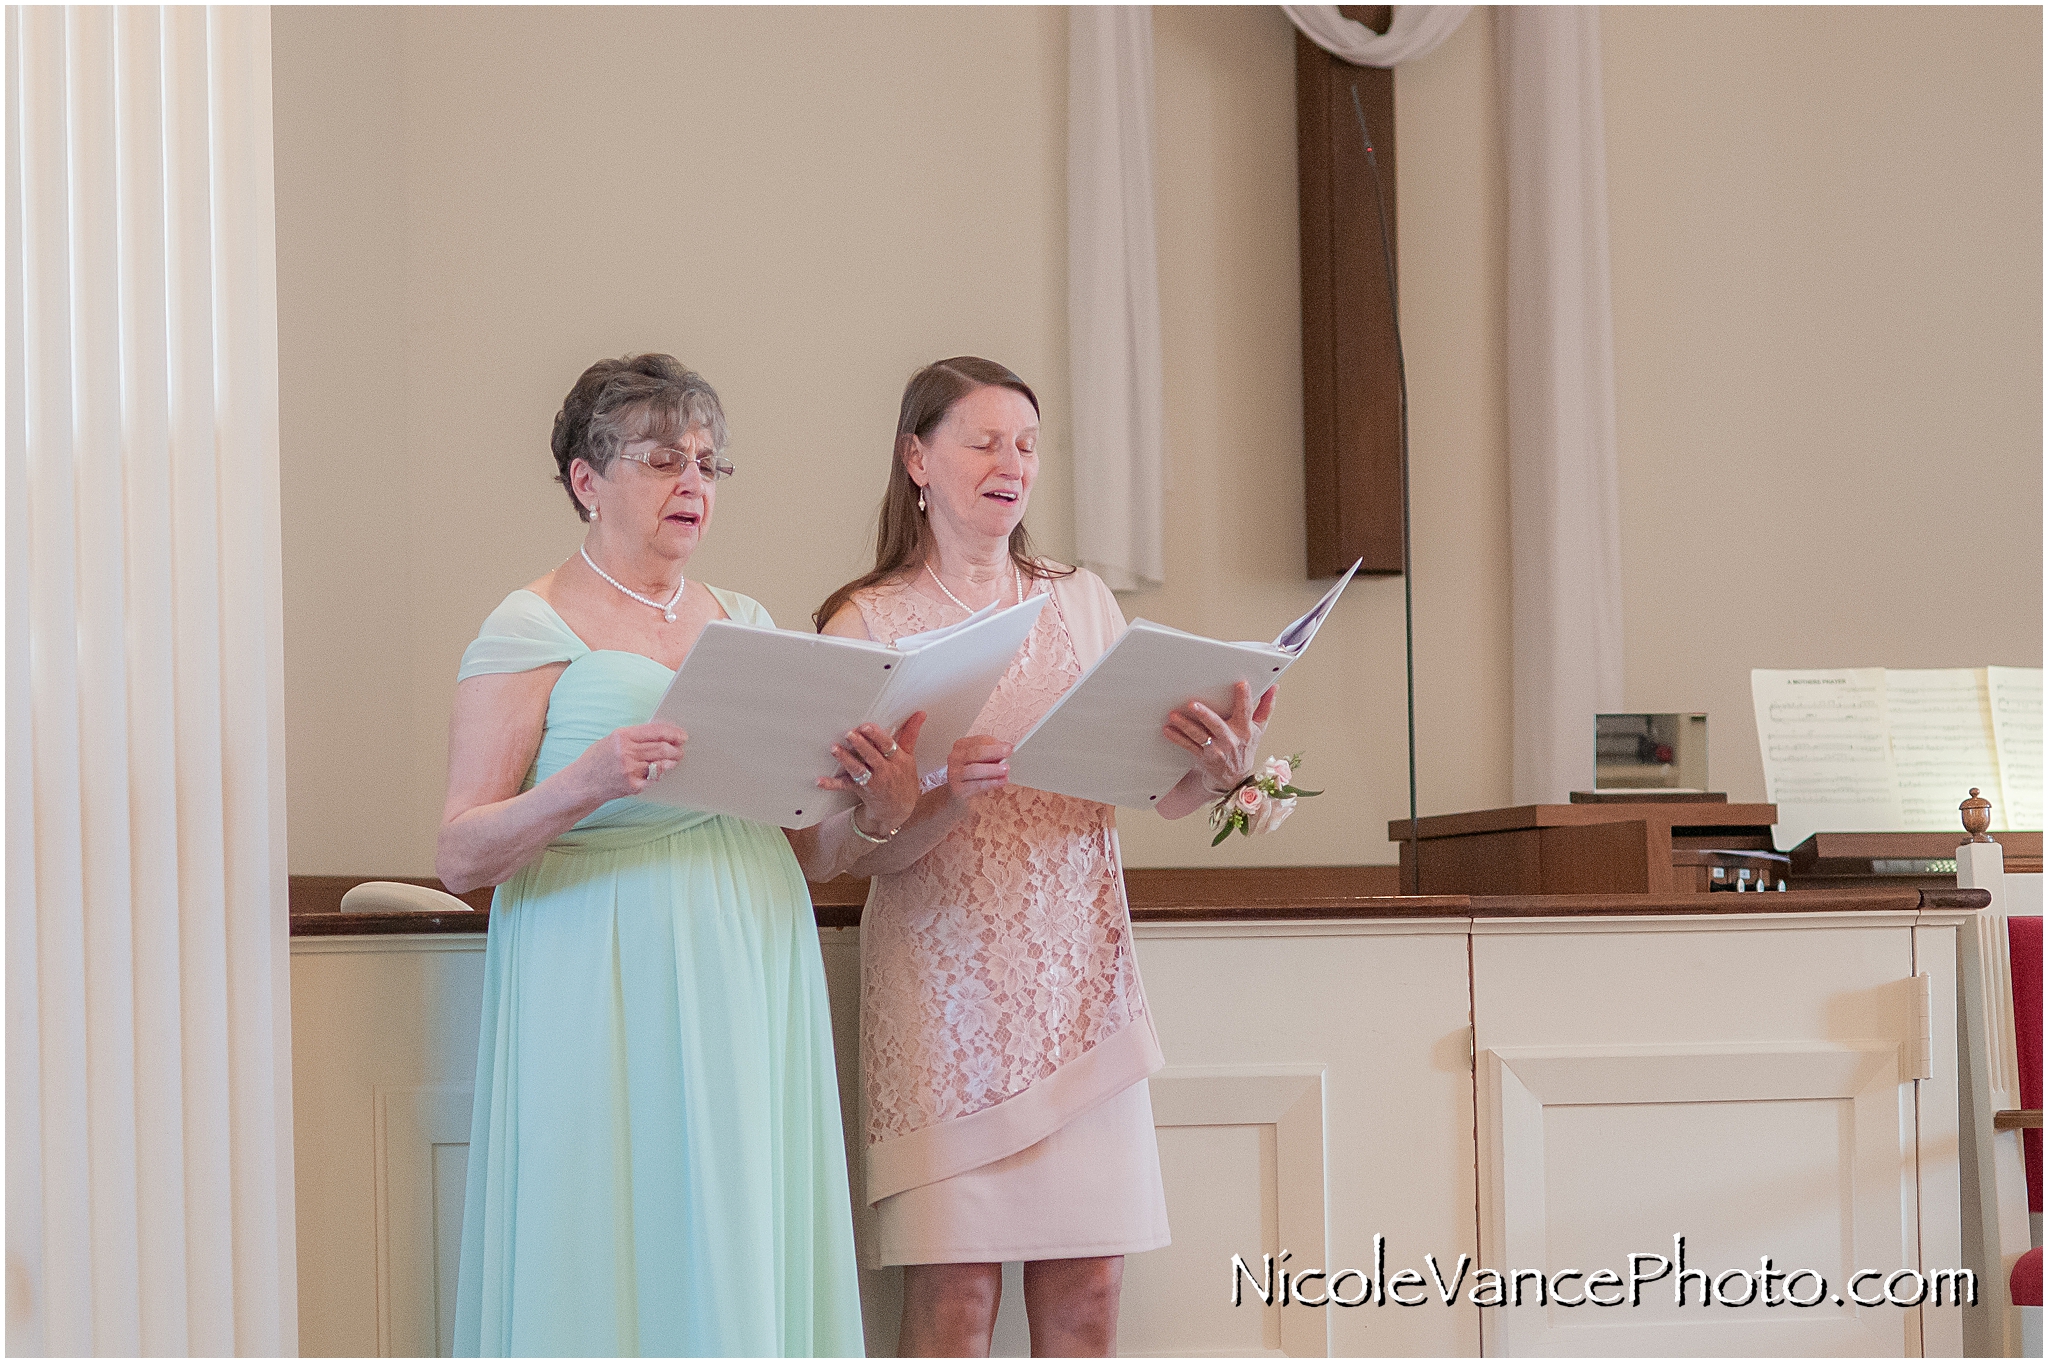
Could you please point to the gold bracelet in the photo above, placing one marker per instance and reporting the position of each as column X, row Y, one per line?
column 853, row 820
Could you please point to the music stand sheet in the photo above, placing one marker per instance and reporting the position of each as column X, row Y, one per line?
column 1877, row 750
column 762, row 708
column 2015, row 694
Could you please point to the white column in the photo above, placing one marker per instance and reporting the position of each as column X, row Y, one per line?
column 1563, row 487
column 149, row 1106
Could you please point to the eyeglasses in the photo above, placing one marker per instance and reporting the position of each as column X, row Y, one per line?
column 668, row 462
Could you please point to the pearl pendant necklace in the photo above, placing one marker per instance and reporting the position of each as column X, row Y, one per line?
column 668, row 612
column 962, row 604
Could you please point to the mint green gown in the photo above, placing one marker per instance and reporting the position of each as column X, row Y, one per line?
column 656, row 1162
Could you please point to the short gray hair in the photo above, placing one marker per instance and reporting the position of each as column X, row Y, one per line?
column 620, row 400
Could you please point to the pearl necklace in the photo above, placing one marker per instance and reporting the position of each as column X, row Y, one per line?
column 668, row 612
column 962, row 604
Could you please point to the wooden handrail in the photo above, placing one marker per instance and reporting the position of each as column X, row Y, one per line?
column 1294, row 894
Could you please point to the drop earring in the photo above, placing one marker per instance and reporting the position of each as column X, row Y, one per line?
column 920, row 499
column 593, row 513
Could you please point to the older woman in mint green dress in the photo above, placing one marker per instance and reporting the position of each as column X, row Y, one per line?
column 656, row 1163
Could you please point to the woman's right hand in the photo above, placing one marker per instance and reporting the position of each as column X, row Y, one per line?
column 618, row 764
column 977, row 765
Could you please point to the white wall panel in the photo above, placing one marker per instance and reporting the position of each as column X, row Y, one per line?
column 1736, row 1080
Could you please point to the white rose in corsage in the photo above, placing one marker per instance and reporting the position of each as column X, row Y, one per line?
column 1260, row 803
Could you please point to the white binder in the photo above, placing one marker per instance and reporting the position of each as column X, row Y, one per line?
column 763, row 707
column 1102, row 740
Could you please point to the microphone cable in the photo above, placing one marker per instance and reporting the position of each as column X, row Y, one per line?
column 1407, row 537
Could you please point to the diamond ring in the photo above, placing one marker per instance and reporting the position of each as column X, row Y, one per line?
column 651, row 772
column 860, row 778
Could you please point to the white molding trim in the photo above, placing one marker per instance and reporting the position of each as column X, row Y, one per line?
column 1992, row 943
column 1288, row 1098
column 1697, row 922
column 415, row 1298
column 1309, row 927
column 1518, row 1083
column 385, row 944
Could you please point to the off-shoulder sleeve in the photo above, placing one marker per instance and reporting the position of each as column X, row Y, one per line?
column 743, row 609
column 521, row 634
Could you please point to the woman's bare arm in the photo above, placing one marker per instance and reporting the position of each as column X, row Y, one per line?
column 489, row 829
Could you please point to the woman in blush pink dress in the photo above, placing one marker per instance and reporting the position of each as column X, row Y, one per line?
column 1005, row 1039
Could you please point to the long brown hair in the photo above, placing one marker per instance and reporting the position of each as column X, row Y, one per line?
column 903, row 534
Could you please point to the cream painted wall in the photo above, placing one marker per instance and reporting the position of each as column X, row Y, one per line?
column 806, row 204
column 1826, row 236
column 1826, row 233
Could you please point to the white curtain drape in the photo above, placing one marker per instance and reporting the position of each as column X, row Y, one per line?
column 1415, row 31
column 1563, row 485
column 1113, row 297
column 148, row 1045
column 1113, row 349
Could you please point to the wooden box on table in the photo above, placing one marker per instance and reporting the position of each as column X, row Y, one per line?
column 1610, row 847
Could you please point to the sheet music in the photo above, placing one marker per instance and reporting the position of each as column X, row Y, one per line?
column 1103, row 739
column 952, row 683
column 1298, row 635
column 1826, row 751
column 1942, row 744
column 2015, row 697
column 763, row 707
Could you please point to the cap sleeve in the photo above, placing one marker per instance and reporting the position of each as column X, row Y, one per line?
column 523, row 633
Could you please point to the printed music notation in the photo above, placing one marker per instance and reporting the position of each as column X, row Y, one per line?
column 1894, row 750
column 2016, row 724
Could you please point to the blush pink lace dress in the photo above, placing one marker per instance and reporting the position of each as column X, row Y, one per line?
column 1005, row 1039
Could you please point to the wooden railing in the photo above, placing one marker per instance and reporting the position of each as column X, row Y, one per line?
column 1200, row 894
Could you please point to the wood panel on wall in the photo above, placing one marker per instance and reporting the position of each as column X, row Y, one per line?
column 1351, row 398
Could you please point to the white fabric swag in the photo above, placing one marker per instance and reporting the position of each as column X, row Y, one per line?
column 149, row 1174
column 1415, row 31
column 1118, row 395
column 1563, row 484
column 1563, row 494
column 1564, row 489
column 1113, row 349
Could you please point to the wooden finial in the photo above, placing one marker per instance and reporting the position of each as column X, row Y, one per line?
column 1976, row 816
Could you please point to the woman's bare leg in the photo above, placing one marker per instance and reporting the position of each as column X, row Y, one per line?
column 949, row 1310
column 1071, row 1304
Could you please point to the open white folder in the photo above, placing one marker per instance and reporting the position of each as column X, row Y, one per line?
column 1103, row 740
column 763, row 707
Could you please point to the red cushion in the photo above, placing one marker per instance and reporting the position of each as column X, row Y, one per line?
column 2024, row 937
column 2026, row 1275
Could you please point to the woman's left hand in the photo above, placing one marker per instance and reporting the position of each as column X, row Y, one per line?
column 1224, row 746
column 889, row 792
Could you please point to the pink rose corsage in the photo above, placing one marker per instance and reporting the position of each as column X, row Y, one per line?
column 1260, row 803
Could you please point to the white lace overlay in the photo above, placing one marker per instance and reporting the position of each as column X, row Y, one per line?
column 1004, row 952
